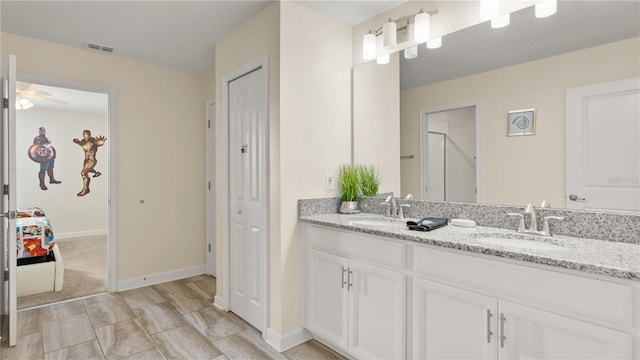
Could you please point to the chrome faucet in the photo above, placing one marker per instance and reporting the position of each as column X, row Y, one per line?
column 393, row 209
column 533, row 222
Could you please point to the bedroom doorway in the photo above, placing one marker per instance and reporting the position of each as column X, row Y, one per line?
column 64, row 168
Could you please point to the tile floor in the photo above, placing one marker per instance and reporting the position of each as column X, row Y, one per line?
column 174, row 320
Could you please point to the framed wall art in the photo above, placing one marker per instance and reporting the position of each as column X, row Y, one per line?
column 521, row 122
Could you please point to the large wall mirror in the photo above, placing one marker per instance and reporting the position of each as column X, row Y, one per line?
column 530, row 64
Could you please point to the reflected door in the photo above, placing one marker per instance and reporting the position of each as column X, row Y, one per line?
column 603, row 146
column 436, row 173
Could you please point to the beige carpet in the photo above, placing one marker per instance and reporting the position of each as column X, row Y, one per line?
column 85, row 271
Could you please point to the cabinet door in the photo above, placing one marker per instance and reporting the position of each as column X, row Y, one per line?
column 378, row 312
column 449, row 323
column 534, row 334
column 327, row 297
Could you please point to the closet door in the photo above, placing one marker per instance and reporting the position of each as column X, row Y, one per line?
column 247, row 197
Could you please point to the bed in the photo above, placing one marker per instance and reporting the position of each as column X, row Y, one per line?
column 40, row 265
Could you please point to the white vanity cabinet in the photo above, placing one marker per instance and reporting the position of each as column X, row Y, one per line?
column 356, row 293
column 375, row 297
column 451, row 323
column 529, row 333
column 471, row 307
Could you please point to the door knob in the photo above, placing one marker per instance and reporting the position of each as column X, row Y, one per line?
column 574, row 197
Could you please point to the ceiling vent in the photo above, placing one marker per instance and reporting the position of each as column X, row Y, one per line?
column 99, row 47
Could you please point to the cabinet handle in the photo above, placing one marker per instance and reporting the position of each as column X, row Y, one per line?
column 343, row 282
column 489, row 333
column 502, row 337
column 350, row 280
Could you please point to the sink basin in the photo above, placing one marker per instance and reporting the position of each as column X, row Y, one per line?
column 517, row 241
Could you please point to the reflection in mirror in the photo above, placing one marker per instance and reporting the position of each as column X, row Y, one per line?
column 534, row 64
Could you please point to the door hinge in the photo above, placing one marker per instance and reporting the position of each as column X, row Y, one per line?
column 243, row 149
column 209, row 185
column 209, row 123
column 209, row 247
column 5, row 103
column 5, row 189
column 6, row 275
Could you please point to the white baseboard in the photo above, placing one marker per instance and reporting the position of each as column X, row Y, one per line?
column 76, row 234
column 154, row 279
column 220, row 303
column 287, row 341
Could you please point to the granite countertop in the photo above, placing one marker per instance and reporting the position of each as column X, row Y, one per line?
column 615, row 259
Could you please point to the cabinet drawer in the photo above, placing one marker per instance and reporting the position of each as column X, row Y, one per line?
column 598, row 299
column 364, row 247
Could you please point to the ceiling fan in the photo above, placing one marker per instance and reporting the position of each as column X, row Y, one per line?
column 26, row 91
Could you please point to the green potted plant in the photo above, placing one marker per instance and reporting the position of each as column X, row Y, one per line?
column 349, row 188
column 369, row 180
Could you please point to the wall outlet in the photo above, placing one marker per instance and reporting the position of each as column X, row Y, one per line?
column 331, row 181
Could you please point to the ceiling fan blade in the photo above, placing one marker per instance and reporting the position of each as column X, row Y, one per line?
column 22, row 86
column 54, row 101
column 32, row 93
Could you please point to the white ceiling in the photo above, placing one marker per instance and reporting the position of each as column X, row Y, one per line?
column 75, row 100
column 182, row 33
column 176, row 33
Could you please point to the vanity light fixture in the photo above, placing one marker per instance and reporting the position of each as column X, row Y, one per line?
column 500, row 21
column 434, row 43
column 546, row 8
column 414, row 29
column 389, row 35
column 369, row 46
column 411, row 52
column 421, row 23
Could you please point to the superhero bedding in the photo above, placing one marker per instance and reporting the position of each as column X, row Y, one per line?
column 34, row 236
column 40, row 265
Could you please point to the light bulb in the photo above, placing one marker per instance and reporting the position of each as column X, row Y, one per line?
column 421, row 27
column 434, row 43
column 369, row 46
column 411, row 52
column 389, row 35
column 23, row 104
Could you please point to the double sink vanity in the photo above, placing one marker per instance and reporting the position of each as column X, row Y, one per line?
column 376, row 290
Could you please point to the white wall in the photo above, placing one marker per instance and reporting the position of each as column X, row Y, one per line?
column 510, row 164
column 315, row 129
column 310, row 131
column 69, row 214
column 160, row 151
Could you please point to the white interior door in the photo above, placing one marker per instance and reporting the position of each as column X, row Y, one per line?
column 436, row 171
column 8, row 203
column 247, row 235
column 603, row 146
